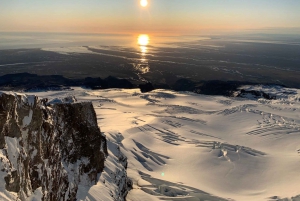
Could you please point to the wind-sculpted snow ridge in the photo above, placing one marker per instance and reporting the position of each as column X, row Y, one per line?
column 186, row 146
column 54, row 151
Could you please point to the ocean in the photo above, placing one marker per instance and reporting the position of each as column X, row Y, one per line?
column 161, row 59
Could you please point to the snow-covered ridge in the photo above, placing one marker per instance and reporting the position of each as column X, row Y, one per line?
column 186, row 146
column 53, row 152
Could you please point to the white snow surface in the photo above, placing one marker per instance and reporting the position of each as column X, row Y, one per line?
column 185, row 146
column 4, row 194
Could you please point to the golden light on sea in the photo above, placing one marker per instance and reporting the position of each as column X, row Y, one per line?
column 143, row 49
column 142, row 64
column 144, row 3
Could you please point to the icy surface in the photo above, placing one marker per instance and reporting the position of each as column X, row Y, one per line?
column 12, row 151
column 36, row 196
column 184, row 146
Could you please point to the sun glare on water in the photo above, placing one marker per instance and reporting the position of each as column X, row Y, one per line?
column 142, row 65
column 144, row 3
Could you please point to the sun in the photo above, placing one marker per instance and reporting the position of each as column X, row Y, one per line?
column 143, row 40
column 144, row 3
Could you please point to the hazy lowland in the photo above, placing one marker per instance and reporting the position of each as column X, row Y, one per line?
column 256, row 58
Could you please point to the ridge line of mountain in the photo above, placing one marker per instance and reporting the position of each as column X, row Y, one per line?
column 33, row 82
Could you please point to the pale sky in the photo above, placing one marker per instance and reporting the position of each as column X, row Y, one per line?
column 127, row 16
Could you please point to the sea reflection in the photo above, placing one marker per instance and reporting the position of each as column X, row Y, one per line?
column 143, row 50
column 143, row 41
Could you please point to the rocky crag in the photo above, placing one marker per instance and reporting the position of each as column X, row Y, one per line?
column 48, row 151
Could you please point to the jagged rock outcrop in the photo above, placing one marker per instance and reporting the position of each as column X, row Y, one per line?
column 114, row 176
column 49, row 150
column 258, row 94
column 147, row 87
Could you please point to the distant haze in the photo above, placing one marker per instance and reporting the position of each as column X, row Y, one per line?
column 160, row 16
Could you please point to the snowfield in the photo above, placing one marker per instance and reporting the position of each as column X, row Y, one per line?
column 185, row 146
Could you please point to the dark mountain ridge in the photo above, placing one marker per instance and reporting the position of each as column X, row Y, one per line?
column 32, row 82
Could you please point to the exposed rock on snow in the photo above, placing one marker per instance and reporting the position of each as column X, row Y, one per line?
column 269, row 92
column 50, row 153
column 68, row 99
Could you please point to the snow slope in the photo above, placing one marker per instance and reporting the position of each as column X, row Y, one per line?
column 184, row 146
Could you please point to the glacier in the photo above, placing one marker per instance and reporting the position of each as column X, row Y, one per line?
column 185, row 146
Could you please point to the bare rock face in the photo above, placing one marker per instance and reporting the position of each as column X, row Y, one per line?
column 48, row 150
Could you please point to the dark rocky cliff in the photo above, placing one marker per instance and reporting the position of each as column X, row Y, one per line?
column 49, row 149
